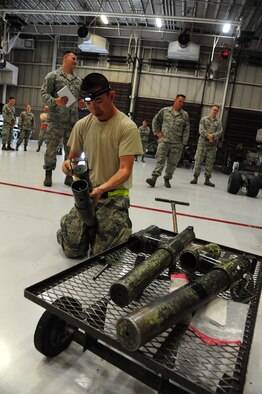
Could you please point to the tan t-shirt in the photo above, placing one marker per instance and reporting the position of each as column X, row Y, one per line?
column 104, row 143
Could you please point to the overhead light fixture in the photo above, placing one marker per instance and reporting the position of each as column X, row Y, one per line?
column 226, row 27
column 158, row 22
column 104, row 19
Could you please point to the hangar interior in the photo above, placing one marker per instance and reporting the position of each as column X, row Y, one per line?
column 147, row 65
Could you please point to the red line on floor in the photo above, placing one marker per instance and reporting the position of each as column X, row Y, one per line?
column 200, row 217
column 142, row 207
column 36, row 189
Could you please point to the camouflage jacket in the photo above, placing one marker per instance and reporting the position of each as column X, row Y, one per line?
column 8, row 114
column 53, row 82
column 175, row 127
column 26, row 121
column 210, row 126
column 144, row 133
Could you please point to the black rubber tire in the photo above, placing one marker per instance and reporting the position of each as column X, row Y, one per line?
column 253, row 186
column 52, row 334
column 227, row 167
column 234, row 182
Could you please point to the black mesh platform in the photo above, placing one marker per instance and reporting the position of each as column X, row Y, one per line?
column 178, row 355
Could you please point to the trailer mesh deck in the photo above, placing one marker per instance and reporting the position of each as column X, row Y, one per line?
column 178, row 355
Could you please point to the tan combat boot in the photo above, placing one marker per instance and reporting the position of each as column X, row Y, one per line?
column 208, row 183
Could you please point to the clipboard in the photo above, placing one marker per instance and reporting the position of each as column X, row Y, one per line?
column 65, row 91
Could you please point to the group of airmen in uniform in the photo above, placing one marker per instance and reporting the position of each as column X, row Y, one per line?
column 111, row 141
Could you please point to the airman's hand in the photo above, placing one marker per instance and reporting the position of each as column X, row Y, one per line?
column 61, row 101
column 66, row 168
column 96, row 194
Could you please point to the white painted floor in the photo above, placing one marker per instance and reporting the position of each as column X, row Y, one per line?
column 29, row 253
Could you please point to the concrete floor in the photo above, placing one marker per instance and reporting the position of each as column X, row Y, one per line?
column 30, row 216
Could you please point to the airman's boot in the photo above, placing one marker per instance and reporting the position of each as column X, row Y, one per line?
column 167, row 183
column 48, row 178
column 151, row 181
column 25, row 148
column 208, row 183
column 194, row 181
column 9, row 147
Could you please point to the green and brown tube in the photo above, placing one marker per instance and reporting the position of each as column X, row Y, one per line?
column 133, row 284
column 144, row 324
column 201, row 258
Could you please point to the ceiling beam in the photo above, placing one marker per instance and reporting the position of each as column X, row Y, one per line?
column 19, row 11
column 149, row 34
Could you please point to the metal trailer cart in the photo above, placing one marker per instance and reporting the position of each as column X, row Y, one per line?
column 78, row 308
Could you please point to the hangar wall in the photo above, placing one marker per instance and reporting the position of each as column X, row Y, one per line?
column 158, row 78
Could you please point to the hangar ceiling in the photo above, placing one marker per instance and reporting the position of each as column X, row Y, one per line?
column 201, row 17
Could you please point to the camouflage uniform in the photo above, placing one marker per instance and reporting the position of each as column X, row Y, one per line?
column 26, row 123
column 175, row 128
column 8, row 123
column 60, row 147
column 205, row 149
column 61, row 119
column 114, row 227
column 144, row 135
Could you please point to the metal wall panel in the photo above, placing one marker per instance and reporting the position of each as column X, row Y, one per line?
column 166, row 87
column 155, row 82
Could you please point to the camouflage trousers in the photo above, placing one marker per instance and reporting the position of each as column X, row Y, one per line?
column 169, row 154
column 144, row 146
column 207, row 153
column 41, row 136
column 24, row 135
column 113, row 227
column 53, row 136
column 60, row 146
column 7, row 134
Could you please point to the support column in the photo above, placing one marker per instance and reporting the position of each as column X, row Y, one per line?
column 226, row 85
column 55, row 53
column 136, row 76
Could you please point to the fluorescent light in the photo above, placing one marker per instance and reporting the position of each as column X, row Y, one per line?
column 104, row 19
column 158, row 22
column 226, row 27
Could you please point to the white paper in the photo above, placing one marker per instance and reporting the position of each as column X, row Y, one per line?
column 65, row 91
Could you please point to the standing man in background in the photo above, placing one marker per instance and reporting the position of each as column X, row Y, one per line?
column 61, row 117
column 171, row 126
column 9, row 119
column 144, row 131
column 43, row 127
column 26, row 123
column 210, row 130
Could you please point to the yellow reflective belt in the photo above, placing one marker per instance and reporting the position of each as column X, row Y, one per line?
column 119, row 192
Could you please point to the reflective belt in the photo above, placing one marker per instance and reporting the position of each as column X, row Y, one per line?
column 118, row 192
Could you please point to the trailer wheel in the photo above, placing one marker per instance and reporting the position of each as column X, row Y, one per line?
column 53, row 334
column 234, row 182
column 253, row 186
